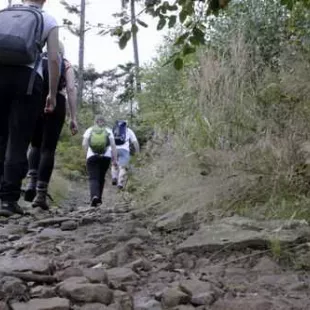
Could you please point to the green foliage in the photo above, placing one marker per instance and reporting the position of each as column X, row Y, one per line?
column 262, row 24
column 70, row 155
column 58, row 188
column 247, row 92
column 192, row 15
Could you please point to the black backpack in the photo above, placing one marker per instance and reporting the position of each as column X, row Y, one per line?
column 21, row 29
column 62, row 78
column 119, row 131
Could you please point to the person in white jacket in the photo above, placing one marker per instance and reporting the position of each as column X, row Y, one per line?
column 98, row 163
column 119, row 171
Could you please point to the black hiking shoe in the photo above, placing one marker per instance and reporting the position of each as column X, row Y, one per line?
column 114, row 181
column 120, row 187
column 9, row 208
column 40, row 202
column 29, row 194
column 95, row 202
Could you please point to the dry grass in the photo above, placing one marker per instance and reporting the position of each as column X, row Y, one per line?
column 59, row 188
column 247, row 133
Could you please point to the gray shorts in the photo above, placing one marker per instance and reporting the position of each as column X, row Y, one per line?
column 123, row 157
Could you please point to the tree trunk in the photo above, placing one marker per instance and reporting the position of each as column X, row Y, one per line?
column 81, row 54
column 135, row 45
column 93, row 99
column 10, row 2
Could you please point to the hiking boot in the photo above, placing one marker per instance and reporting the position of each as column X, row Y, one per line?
column 29, row 195
column 40, row 198
column 95, row 202
column 9, row 208
column 120, row 187
column 30, row 189
column 40, row 201
column 114, row 181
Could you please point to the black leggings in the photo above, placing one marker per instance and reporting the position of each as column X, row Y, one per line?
column 97, row 167
column 18, row 114
column 41, row 156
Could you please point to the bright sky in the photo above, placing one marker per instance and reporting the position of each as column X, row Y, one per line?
column 102, row 52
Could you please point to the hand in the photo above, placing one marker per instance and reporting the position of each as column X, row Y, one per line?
column 73, row 127
column 50, row 104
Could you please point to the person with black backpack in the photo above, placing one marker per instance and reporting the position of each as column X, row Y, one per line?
column 24, row 30
column 41, row 155
column 124, row 137
column 99, row 143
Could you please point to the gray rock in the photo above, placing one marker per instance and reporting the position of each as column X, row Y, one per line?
column 14, row 237
column 278, row 280
column 108, row 259
column 202, row 293
column 13, row 288
column 5, row 248
column 83, row 251
column 77, row 280
column 94, row 306
column 51, row 233
column 52, row 221
column 139, row 264
column 192, row 287
column 135, row 243
column 250, row 303
column 237, row 278
column 173, row 297
column 3, row 306
column 43, row 292
column 121, row 275
column 175, row 219
column 96, row 275
column 203, row 299
column 266, row 265
column 69, row 272
column 25, row 263
column 237, row 233
column 43, row 304
column 123, row 300
column 147, row 304
column 86, row 292
column 69, row 225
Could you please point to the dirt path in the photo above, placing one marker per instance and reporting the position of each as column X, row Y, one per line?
column 115, row 257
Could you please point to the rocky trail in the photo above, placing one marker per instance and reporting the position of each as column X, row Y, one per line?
column 118, row 257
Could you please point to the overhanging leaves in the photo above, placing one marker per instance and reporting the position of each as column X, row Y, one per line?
column 124, row 39
column 161, row 23
column 178, row 63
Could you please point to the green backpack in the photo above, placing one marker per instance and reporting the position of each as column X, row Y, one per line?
column 99, row 140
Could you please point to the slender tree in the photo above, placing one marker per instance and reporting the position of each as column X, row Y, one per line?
column 79, row 31
column 10, row 2
column 81, row 52
column 135, row 43
column 134, row 30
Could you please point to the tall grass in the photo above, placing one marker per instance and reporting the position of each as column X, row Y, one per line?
column 261, row 117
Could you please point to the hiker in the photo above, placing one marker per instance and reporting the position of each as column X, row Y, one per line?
column 124, row 137
column 99, row 142
column 24, row 30
column 41, row 156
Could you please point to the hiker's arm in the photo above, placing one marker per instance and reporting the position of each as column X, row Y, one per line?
column 85, row 143
column 85, row 139
column 133, row 139
column 136, row 146
column 72, row 99
column 113, row 150
column 53, row 61
column 71, row 92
